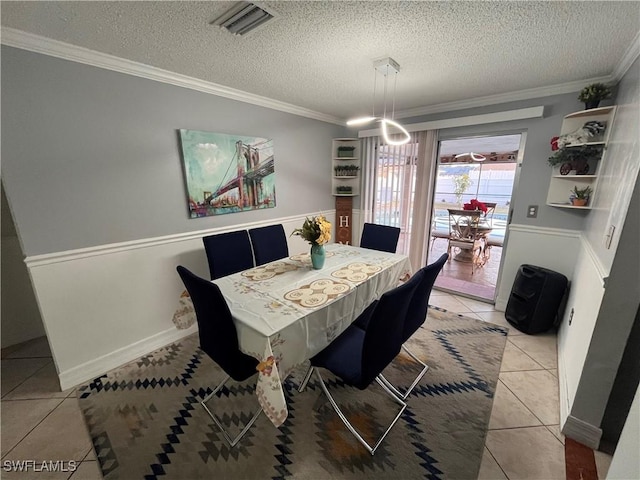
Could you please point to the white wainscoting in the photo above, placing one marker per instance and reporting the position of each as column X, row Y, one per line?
column 552, row 248
column 585, row 297
column 566, row 252
column 108, row 305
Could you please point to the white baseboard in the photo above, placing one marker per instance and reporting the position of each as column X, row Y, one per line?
column 563, row 387
column 98, row 366
column 501, row 304
column 582, row 432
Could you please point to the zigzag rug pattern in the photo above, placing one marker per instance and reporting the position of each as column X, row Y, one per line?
column 146, row 422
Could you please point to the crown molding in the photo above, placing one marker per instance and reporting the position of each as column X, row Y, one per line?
column 36, row 43
column 528, row 94
column 630, row 56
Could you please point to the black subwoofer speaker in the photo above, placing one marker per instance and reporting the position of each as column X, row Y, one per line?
column 536, row 300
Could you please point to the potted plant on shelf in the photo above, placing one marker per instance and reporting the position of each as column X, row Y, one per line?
column 592, row 94
column 575, row 158
column 580, row 196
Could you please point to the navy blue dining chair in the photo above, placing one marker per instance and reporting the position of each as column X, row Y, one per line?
column 416, row 316
column 380, row 237
column 228, row 253
column 269, row 243
column 358, row 356
column 219, row 340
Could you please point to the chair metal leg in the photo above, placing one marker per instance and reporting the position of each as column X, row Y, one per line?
column 370, row 449
column 307, row 376
column 232, row 441
column 405, row 395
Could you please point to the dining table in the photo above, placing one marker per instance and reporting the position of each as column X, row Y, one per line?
column 285, row 312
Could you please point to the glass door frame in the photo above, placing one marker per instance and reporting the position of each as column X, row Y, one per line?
column 518, row 161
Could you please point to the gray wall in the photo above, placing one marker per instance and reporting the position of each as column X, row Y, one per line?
column 622, row 294
column 19, row 315
column 535, row 175
column 620, row 170
column 92, row 157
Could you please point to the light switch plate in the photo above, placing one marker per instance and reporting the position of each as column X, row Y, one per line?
column 609, row 236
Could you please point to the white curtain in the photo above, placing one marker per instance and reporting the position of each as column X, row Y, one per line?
column 398, row 182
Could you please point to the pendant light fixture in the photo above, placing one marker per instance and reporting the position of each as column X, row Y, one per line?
column 475, row 157
column 386, row 67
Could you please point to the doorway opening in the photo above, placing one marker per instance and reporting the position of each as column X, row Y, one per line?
column 470, row 170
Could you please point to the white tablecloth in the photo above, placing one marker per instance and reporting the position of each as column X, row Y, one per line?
column 285, row 312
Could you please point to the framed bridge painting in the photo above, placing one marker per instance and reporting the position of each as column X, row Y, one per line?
column 227, row 173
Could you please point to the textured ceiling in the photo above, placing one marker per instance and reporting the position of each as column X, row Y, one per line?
column 319, row 55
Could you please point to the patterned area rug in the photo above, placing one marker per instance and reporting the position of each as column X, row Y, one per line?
column 146, row 422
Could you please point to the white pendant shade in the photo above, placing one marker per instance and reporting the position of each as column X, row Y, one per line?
column 385, row 66
column 385, row 133
column 476, row 157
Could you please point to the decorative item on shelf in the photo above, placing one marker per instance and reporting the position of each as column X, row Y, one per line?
column 592, row 94
column 346, row 151
column 344, row 190
column 385, row 66
column 317, row 231
column 346, row 170
column 474, row 204
column 575, row 158
column 580, row 196
column 589, row 132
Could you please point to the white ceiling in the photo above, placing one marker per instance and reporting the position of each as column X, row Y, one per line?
column 319, row 54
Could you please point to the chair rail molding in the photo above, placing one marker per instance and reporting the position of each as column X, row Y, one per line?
column 107, row 249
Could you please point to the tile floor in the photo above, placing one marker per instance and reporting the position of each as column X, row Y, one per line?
column 40, row 423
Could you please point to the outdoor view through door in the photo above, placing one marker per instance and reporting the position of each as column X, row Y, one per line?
column 473, row 173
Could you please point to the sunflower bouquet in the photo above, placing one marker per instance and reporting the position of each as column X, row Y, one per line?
column 315, row 230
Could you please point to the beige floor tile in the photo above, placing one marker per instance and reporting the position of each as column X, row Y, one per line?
column 449, row 303
column 87, row 471
column 472, row 315
column 43, row 384
column 91, row 456
column 514, row 360
column 542, row 348
column 19, row 417
column 603, row 461
column 17, row 370
column 509, row 412
column 538, row 390
column 489, row 468
column 36, row 348
column 555, row 429
column 66, row 425
column 498, row 319
column 553, row 371
column 527, row 453
column 476, row 305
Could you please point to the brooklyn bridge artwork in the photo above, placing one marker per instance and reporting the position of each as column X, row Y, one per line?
column 227, row 173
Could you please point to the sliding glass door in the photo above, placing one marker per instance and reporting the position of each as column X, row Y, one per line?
column 482, row 169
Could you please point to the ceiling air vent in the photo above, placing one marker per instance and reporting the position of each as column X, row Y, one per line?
column 242, row 18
